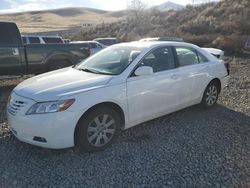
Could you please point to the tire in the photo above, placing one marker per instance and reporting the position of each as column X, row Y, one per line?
column 210, row 95
column 58, row 65
column 97, row 130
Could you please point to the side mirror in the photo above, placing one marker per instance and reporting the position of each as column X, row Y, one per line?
column 144, row 71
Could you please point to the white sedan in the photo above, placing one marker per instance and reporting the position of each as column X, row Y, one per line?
column 119, row 87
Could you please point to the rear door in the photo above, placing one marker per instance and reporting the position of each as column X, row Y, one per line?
column 193, row 70
column 12, row 59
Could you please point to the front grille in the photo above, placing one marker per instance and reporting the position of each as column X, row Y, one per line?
column 15, row 106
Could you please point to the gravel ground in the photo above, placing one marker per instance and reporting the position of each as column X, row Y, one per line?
column 190, row 148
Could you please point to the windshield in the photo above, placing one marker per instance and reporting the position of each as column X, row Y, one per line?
column 112, row 60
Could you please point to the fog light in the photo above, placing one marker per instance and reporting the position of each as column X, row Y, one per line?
column 39, row 139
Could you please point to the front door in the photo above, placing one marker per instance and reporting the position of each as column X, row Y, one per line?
column 153, row 95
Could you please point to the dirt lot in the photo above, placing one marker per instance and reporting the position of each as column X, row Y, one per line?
column 190, row 148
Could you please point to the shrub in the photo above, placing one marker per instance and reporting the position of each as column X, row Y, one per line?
column 232, row 44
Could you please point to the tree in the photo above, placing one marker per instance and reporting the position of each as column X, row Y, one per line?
column 136, row 9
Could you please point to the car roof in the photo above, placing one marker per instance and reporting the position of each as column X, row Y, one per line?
column 149, row 44
column 47, row 36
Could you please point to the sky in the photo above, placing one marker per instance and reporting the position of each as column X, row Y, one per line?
column 9, row 6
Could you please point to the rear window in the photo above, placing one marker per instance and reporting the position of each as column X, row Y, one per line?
column 34, row 40
column 52, row 40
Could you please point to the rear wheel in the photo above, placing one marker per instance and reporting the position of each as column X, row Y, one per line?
column 98, row 129
column 210, row 95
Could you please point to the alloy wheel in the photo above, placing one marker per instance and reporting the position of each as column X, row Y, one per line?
column 211, row 95
column 101, row 130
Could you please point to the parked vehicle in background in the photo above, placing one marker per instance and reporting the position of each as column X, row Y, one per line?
column 107, row 41
column 176, row 39
column 35, row 39
column 119, row 87
column 66, row 40
column 17, row 58
column 93, row 46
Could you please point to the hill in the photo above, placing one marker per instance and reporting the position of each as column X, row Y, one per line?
column 60, row 19
column 224, row 25
column 168, row 6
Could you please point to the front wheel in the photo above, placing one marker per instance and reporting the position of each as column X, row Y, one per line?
column 98, row 129
column 210, row 95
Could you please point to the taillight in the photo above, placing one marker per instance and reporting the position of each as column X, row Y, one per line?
column 226, row 63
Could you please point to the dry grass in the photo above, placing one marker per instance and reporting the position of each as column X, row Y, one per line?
column 60, row 19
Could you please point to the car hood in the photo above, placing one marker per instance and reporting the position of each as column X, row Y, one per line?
column 60, row 83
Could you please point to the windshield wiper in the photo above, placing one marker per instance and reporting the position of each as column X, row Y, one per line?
column 94, row 71
column 89, row 70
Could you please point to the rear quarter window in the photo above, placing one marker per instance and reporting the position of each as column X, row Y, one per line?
column 202, row 58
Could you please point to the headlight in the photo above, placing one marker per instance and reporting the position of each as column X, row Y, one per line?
column 49, row 107
column 9, row 99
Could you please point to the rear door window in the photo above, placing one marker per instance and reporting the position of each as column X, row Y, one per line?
column 51, row 40
column 34, row 40
column 186, row 56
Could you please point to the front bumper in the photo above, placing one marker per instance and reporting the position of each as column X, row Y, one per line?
column 55, row 129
